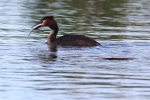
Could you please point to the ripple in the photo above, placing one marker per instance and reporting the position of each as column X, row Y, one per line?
column 119, row 69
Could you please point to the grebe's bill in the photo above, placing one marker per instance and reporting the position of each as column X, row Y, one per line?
column 35, row 27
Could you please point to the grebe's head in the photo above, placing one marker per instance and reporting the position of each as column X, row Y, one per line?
column 46, row 21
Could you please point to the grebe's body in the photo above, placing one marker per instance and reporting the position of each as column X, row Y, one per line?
column 67, row 40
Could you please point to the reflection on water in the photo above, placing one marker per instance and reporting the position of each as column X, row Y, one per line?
column 32, row 69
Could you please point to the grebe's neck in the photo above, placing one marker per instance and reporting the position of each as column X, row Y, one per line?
column 52, row 36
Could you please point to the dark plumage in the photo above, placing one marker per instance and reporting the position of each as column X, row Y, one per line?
column 47, row 17
column 76, row 40
column 67, row 40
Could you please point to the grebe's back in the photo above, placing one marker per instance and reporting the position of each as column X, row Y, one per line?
column 76, row 40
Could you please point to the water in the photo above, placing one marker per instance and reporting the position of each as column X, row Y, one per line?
column 32, row 70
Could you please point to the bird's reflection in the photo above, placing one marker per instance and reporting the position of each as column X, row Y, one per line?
column 53, row 48
column 50, row 55
column 53, row 53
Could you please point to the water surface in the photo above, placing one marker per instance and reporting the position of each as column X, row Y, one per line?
column 30, row 69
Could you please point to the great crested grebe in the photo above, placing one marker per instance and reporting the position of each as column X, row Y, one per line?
column 67, row 40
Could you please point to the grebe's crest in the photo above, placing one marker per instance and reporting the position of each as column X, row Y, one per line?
column 47, row 17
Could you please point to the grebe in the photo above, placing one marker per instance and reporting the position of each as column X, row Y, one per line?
column 67, row 40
